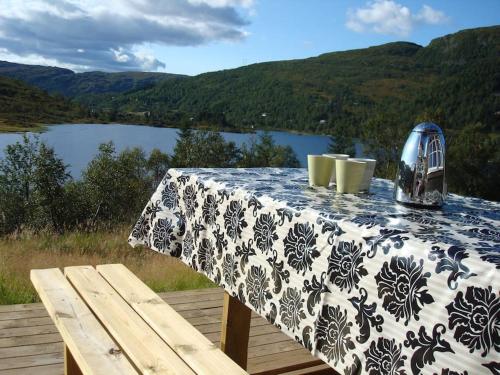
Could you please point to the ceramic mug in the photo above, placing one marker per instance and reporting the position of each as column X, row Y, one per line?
column 350, row 175
column 320, row 170
column 370, row 168
column 336, row 157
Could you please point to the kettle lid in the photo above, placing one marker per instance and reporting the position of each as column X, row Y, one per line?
column 427, row 127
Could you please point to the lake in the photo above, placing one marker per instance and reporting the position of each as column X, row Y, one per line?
column 77, row 144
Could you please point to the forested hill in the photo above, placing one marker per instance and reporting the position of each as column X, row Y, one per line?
column 456, row 76
column 71, row 84
column 22, row 107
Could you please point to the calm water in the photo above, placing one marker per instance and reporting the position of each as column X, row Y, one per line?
column 77, row 144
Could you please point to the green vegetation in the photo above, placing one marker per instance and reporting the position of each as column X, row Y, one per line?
column 68, row 83
column 37, row 193
column 19, row 253
column 457, row 74
column 24, row 107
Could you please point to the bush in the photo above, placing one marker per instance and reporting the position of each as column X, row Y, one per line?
column 37, row 193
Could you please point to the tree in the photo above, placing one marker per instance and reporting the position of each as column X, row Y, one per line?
column 204, row 149
column 157, row 165
column 341, row 142
column 118, row 186
column 383, row 138
column 32, row 180
column 49, row 178
column 473, row 162
column 263, row 152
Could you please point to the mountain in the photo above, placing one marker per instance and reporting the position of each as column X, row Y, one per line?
column 23, row 107
column 71, row 84
column 456, row 79
column 457, row 75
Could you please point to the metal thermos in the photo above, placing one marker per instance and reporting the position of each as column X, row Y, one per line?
column 420, row 179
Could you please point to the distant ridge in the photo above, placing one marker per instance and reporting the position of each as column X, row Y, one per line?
column 68, row 83
column 457, row 75
column 24, row 107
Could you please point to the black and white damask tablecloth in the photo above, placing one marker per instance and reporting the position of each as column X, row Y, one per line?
column 365, row 284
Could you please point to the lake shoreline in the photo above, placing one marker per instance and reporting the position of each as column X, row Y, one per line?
column 77, row 144
column 41, row 128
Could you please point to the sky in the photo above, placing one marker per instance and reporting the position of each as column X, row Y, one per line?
column 197, row 36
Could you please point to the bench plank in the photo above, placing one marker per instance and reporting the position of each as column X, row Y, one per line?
column 149, row 353
column 194, row 348
column 87, row 340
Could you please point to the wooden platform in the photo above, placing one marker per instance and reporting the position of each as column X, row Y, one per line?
column 30, row 343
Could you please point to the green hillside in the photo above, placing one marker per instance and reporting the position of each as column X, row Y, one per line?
column 24, row 107
column 457, row 76
column 71, row 84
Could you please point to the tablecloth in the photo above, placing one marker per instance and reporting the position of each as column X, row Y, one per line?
column 365, row 284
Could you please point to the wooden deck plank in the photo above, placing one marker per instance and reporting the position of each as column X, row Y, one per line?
column 23, row 314
column 263, row 358
column 29, row 322
column 21, row 351
column 293, row 360
column 30, row 340
column 323, row 369
column 54, row 369
column 21, row 307
column 31, row 361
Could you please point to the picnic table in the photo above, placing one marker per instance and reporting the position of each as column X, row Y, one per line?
column 363, row 283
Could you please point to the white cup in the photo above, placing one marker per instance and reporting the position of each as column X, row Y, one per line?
column 336, row 157
column 350, row 174
column 320, row 170
column 370, row 168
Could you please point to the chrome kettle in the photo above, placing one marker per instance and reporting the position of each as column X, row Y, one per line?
column 420, row 179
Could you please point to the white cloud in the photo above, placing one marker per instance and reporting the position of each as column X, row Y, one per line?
column 96, row 35
column 226, row 3
column 390, row 17
column 431, row 16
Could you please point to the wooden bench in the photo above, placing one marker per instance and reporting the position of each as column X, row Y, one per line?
column 112, row 323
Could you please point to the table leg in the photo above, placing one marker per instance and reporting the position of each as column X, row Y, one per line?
column 235, row 330
column 70, row 365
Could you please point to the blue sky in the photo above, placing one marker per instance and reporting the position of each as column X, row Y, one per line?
column 196, row 36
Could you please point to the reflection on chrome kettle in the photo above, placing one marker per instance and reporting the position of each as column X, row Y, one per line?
column 420, row 179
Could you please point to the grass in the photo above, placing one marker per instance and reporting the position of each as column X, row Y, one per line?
column 9, row 127
column 19, row 254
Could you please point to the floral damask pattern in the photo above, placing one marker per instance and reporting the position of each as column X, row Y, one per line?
column 402, row 284
column 163, row 234
column 345, row 265
column 333, row 333
column 385, row 357
column 206, row 256
column 210, row 210
column 141, row 228
column 300, row 247
column 292, row 308
column 475, row 316
column 234, row 220
column 190, row 201
column 257, row 284
column 170, row 195
column 265, row 232
column 368, row 286
column 230, row 270
column 188, row 245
